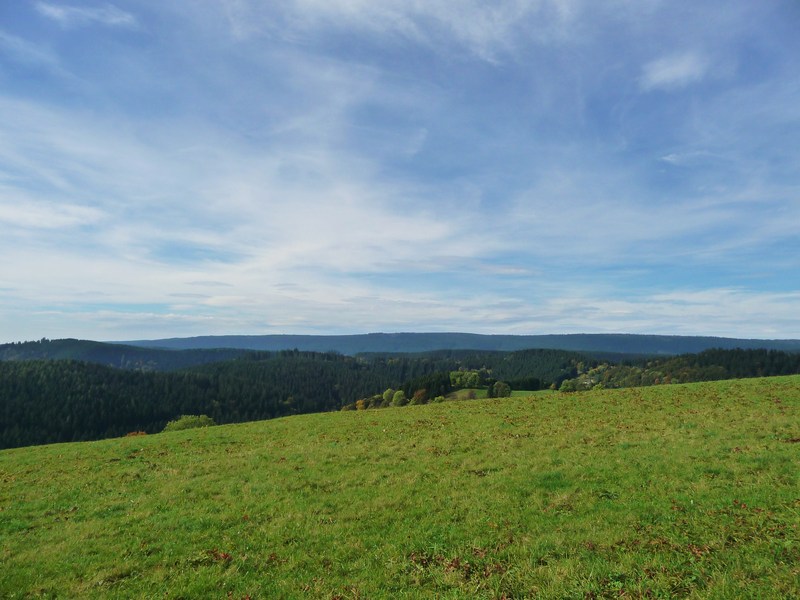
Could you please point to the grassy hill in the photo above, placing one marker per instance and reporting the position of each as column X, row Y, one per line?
column 667, row 491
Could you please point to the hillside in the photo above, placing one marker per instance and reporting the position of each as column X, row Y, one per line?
column 709, row 365
column 668, row 491
column 424, row 342
column 115, row 355
column 45, row 401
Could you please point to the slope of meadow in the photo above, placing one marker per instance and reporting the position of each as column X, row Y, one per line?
column 668, row 491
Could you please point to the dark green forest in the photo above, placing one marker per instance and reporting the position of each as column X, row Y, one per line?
column 45, row 401
column 116, row 355
column 426, row 342
column 710, row 365
column 61, row 399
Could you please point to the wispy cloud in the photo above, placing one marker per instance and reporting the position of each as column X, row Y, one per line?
column 486, row 31
column 33, row 214
column 674, row 71
column 25, row 52
column 78, row 16
column 689, row 158
column 349, row 165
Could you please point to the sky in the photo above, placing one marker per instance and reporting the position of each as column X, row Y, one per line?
column 199, row 167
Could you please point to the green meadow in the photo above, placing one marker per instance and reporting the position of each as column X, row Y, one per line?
column 480, row 393
column 688, row 491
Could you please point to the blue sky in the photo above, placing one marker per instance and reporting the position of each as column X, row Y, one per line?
column 346, row 166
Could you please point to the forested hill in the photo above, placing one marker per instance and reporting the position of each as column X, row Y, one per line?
column 181, row 353
column 423, row 342
column 710, row 365
column 44, row 401
column 116, row 355
column 545, row 364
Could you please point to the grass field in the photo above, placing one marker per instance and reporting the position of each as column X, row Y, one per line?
column 661, row 492
column 480, row 393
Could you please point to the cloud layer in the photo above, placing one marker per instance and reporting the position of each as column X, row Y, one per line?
column 348, row 166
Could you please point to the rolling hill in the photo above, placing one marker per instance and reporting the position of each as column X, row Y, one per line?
column 115, row 355
column 661, row 492
column 423, row 342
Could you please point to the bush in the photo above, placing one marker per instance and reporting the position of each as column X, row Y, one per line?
column 568, row 385
column 420, row 397
column 189, row 422
column 501, row 390
column 399, row 398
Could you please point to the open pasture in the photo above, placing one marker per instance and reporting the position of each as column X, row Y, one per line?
column 661, row 492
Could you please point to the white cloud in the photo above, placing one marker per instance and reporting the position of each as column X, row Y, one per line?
column 77, row 16
column 674, row 72
column 274, row 219
column 486, row 30
column 690, row 158
column 317, row 180
column 25, row 52
column 724, row 312
column 34, row 214
column 416, row 142
column 361, row 307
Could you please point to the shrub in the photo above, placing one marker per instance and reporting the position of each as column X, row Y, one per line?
column 420, row 397
column 399, row 398
column 189, row 422
column 568, row 385
column 501, row 390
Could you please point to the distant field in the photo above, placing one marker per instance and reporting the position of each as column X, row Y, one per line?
column 661, row 492
column 481, row 394
column 467, row 394
column 527, row 394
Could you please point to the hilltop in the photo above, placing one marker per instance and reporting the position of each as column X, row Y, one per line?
column 119, row 356
column 667, row 491
column 423, row 342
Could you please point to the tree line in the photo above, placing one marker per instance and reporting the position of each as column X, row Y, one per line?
column 710, row 365
column 45, row 401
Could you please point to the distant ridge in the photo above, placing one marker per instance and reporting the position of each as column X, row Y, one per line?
column 423, row 342
column 115, row 355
